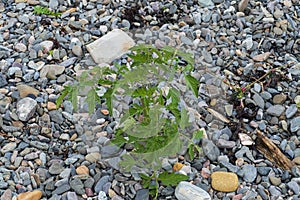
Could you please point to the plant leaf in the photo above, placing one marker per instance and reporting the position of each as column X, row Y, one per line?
column 64, row 93
column 192, row 83
column 171, row 179
column 184, row 120
column 91, row 100
column 191, row 151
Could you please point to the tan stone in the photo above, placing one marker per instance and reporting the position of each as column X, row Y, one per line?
column 51, row 106
column 279, row 98
column 82, row 170
column 262, row 57
column 34, row 195
column 297, row 160
column 25, row 90
column 20, row 1
column 224, row 181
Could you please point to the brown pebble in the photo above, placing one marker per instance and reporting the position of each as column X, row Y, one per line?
column 105, row 112
column 297, row 160
column 224, row 181
column 82, row 170
column 51, row 106
column 34, row 195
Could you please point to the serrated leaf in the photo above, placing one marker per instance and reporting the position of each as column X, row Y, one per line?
column 108, row 96
column 127, row 162
column 91, row 100
column 175, row 95
column 171, row 179
column 191, row 151
column 192, row 83
column 198, row 134
column 73, row 94
column 64, row 93
column 184, row 120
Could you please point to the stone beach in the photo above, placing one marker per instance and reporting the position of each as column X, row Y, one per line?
column 49, row 153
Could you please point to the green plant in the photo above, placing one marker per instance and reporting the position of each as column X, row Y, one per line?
column 155, row 123
column 165, row 178
column 41, row 10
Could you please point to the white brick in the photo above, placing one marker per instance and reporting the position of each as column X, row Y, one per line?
column 111, row 46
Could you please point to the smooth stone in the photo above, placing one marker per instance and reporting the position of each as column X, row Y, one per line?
column 51, row 71
column 291, row 111
column 221, row 143
column 82, row 170
column 77, row 185
column 56, row 168
column 259, row 100
column 294, row 187
column 206, row 3
column 6, row 195
column 8, row 147
column 25, row 90
column 102, row 181
column 261, row 57
column 275, row 180
column 279, row 98
column 93, row 157
column 210, row 149
column 224, row 181
column 34, row 195
column 142, row 194
column 275, row 110
column 72, row 196
column 110, row 46
column 295, row 124
column 248, row 172
column 26, row 108
column 186, row 190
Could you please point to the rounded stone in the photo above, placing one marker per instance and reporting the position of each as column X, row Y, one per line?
column 224, row 181
column 34, row 195
column 82, row 170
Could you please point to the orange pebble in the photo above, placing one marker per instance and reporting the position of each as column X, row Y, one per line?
column 82, row 170
column 177, row 166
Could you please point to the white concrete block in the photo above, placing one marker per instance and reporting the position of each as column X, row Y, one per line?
column 110, row 47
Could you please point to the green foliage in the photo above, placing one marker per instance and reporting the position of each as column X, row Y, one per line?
column 40, row 10
column 155, row 122
column 164, row 178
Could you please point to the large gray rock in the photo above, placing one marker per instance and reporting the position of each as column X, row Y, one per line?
column 295, row 124
column 111, row 46
column 210, row 149
column 186, row 191
column 26, row 108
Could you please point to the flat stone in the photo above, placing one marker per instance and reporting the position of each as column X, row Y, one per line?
column 224, row 181
column 279, row 98
column 8, row 147
column 56, row 168
column 210, row 149
column 206, row 3
column 221, row 143
column 82, row 170
column 259, row 100
column 102, row 181
column 275, row 180
column 25, row 90
column 34, row 195
column 295, row 124
column 248, row 172
column 6, row 195
column 276, row 110
column 111, row 46
column 261, row 57
column 291, row 111
column 243, row 5
column 186, row 190
column 26, row 108
column 142, row 194
column 3, row 80
column 51, row 71
column 20, row 47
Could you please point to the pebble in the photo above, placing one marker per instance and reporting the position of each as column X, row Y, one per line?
column 275, row 110
column 224, row 181
column 26, row 108
column 210, row 149
column 248, row 172
column 185, row 190
column 34, row 195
